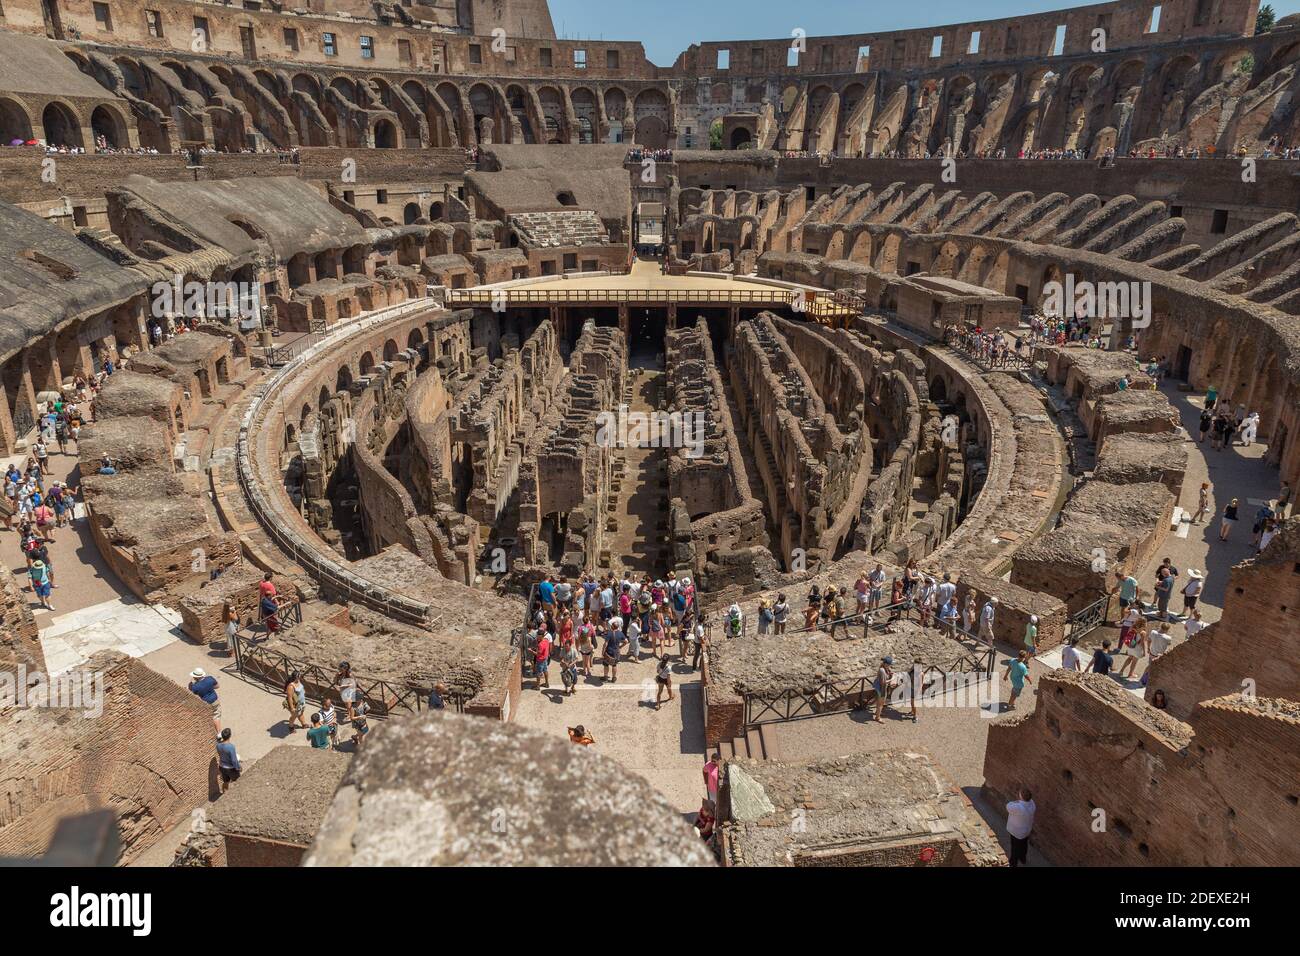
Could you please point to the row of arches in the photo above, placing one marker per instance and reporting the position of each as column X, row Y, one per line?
column 59, row 125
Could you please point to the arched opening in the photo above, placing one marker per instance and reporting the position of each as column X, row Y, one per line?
column 60, row 125
column 414, row 340
column 740, row 138
column 385, row 135
column 411, row 213
column 343, row 381
column 565, row 198
column 390, row 350
column 15, row 127
column 367, row 364
column 435, row 212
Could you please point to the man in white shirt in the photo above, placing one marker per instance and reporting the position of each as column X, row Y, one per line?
column 946, row 590
column 1020, row 822
column 1070, row 659
column 986, row 619
column 1194, row 625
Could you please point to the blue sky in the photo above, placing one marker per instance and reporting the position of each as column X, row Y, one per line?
column 667, row 27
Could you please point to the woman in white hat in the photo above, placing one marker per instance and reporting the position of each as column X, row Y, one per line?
column 1192, row 590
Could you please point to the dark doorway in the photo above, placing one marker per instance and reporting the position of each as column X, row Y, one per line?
column 646, row 331
column 1183, row 364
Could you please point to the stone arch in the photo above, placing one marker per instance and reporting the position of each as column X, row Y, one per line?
column 107, row 122
column 60, row 125
column 343, row 379
column 366, row 364
column 740, row 138
column 391, row 349
column 385, row 134
column 616, row 104
column 411, row 213
column 15, row 123
column 586, row 112
column 435, row 212
column 414, row 339
column 299, row 270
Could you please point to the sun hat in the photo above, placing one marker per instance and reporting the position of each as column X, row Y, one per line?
column 198, row 672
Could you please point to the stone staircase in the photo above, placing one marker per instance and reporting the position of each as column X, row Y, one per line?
column 555, row 229
column 749, row 744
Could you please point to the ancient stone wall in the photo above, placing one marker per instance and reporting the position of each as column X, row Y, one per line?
column 1218, row 790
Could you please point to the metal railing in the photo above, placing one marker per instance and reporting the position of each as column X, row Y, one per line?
column 23, row 420
column 383, row 698
column 286, row 615
column 1086, row 620
column 1002, row 361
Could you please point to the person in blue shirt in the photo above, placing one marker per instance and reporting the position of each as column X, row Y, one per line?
column 1018, row 672
column 205, row 688
column 319, row 735
column 546, row 593
column 436, row 701
column 227, row 760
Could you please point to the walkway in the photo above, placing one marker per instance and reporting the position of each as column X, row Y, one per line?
column 665, row 746
column 641, row 504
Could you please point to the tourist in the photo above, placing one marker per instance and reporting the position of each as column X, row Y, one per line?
column 330, row 719
column 1133, row 649
column 1229, row 519
column 765, row 617
column 360, row 726
column 1207, row 422
column 780, row 613
column 664, row 680
column 318, row 735
column 1283, row 500
column 833, row 611
column 712, row 767
column 1249, row 429
column 1192, row 590
column 1071, row 660
column 204, row 687
column 578, row 735
column 886, row 681
column 1267, row 535
column 706, row 820
column 1031, row 635
column 1202, row 503
column 1163, row 591
column 295, row 701
column 228, row 764
column 586, row 640
column 1127, row 588
column 1018, row 672
column 969, row 616
column 1102, row 662
column 438, row 697
column 948, row 616
column 1262, row 517
column 813, row 609
column 925, row 602
column 986, row 620
column 546, row 593
column 1158, row 642
column 347, row 685
column 633, row 632
column 701, row 642
column 568, row 668
column 735, row 621
column 1020, row 823
column 614, row 641
column 542, row 661
column 876, row 584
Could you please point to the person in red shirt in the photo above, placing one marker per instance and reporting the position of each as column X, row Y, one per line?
column 267, row 587
column 543, row 661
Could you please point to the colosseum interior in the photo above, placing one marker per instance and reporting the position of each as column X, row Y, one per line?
column 428, row 316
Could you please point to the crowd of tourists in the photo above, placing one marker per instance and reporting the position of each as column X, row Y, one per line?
column 599, row 621
column 639, row 153
column 990, row 346
column 39, row 504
